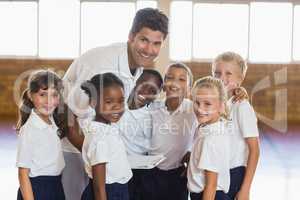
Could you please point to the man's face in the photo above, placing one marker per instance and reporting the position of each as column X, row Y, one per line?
column 145, row 46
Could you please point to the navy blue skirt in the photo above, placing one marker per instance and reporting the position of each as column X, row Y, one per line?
column 236, row 179
column 220, row 195
column 165, row 185
column 46, row 188
column 115, row 191
column 137, row 184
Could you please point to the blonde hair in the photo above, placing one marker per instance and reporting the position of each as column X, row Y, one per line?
column 213, row 83
column 186, row 68
column 230, row 56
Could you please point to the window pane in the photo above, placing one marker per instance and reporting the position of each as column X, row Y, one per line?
column 219, row 28
column 270, row 32
column 146, row 4
column 18, row 22
column 101, row 25
column 59, row 32
column 181, row 31
column 297, row 33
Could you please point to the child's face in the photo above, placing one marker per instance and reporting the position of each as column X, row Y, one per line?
column 230, row 73
column 207, row 105
column 146, row 91
column 111, row 106
column 45, row 101
column 176, row 82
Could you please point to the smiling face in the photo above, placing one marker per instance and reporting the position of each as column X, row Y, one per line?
column 110, row 107
column 230, row 74
column 45, row 101
column 145, row 45
column 207, row 105
column 176, row 82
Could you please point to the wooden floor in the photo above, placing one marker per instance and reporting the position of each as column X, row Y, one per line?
column 277, row 177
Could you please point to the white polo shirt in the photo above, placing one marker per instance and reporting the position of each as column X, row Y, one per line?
column 244, row 122
column 136, row 130
column 113, row 58
column 103, row 144
column 211, row 152
column 172, row 135
column 39, row 148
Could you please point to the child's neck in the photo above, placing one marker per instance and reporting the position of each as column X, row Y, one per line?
column 45, row 118
column 99, row 118
column 173, row 103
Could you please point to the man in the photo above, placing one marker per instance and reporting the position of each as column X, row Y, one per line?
column 126, row 60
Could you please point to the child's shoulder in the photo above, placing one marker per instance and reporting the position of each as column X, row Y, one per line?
column 243, row 106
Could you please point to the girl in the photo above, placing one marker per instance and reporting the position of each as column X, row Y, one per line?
column 208, row 171
column 39, row 158
column 103, row 151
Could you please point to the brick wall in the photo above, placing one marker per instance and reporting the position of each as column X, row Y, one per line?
column 263, row 101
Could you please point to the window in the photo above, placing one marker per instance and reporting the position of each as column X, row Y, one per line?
column 18, row 22
column 181, row 22
column 259, row 31
column 296, row 37
column 59, row 28
column 271, row 34
column 219, row 28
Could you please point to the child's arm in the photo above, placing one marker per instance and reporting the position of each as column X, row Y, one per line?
column 25, row 184
column 253, row 146
column 210, row 188
column 74, row 135
column 98, row 172
column 240, row 94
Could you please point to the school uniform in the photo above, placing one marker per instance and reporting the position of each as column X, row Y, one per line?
column 171, row 137
column 244, row 123
column 211, row 151
column 112, row 58
column 103, row 144
column 136, row 131
column 39, row 150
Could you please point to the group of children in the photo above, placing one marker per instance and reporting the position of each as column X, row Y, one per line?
column 210, row 143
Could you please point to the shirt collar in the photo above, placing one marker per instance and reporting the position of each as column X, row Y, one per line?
column 39, row 122
column 217, row 128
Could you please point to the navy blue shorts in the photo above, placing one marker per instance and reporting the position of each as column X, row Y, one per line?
column 236, row 179
column 115, row 191
column 46, row 188
column 137, row 184
column 220, row 195
column 165, row 184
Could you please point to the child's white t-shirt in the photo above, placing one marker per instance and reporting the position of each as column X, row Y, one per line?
column 244, row 123
column 136, row 130
column 172, row 134
column 211, row 152
column 39, row 147
column 103, row 144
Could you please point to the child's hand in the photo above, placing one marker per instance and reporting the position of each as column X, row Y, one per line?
column 185, row 162
column 240, row 94
column 242, row 195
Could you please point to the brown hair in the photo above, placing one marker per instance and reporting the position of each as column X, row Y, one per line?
column 43, row 79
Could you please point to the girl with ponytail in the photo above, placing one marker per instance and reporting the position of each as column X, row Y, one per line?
column 40, row 126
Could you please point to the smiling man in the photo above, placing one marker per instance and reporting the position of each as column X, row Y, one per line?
column 126, row 60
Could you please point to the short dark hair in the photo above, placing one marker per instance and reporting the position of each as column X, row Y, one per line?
column 151, row 72
column 93, row 86
column 150, row 18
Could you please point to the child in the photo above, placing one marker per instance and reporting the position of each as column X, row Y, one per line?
column 136, row 126
column 208, row 171
column 231, row 69
column 103, row 150
column 39, row 158
column 172, row 120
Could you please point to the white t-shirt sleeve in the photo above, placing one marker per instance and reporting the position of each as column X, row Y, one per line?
column 98, row 152
column 247, row 120
column 215, row 154
column 24, row 152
